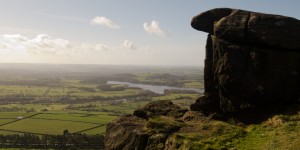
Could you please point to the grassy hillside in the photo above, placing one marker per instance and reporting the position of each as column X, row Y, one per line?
column 279, row 132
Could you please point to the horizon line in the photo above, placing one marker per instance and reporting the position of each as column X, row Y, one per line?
column 145, row 65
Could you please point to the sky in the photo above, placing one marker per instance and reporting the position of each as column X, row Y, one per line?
column 115, row 32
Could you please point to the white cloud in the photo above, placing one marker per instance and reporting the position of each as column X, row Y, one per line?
column 46, row 44
column 129, row 45
column 94, row 47
column 2, row 45
column 15, row 37
column 101, row 46
column 104, row 22
column 154, row 28
column 12, row 44
column 43, row 44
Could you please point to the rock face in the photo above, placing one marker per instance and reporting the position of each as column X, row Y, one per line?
column 126, row 133
column 148, row 128
column 252, row 60
column 168, row 128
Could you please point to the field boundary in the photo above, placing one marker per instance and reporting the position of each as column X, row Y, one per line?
column 65, row 120
column 90, row 128
column 19, row 119
column 24, row 132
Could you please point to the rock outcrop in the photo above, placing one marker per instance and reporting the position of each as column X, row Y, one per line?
column 252, row 61
column 173, row 128
column 148, row 128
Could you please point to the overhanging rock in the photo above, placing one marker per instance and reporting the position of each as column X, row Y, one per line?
column 252, row 60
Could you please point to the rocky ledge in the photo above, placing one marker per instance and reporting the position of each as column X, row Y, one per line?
column 161, row 125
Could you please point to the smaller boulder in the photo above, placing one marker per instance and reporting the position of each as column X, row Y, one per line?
column 160, row 108
column 126, row 133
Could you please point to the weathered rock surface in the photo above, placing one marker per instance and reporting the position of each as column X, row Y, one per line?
column 148, row 127
column 250, row 27
column 160, row 108
column 171, row 129
column 252, row 60
column 126, row 133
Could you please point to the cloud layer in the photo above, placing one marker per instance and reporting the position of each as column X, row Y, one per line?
column 43, row 44
column 154, row 28
column 104, row 22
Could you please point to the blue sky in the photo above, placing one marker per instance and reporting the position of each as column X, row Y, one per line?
column 135, row 32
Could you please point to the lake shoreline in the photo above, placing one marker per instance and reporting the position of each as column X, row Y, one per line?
column 159, row 89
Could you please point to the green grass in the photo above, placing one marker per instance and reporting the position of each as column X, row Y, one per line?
column 14, row 115
column 176, row 96
column 206, row 135
column 58, row 118
column 55, row 122
column 193, row 84
column 99, row 130
column 37, row 107
column 3, row 121
column 46, row 126
column 8, row 132
column 279, row 132
column 22, row 90
column 67, row 89
column 92, row 118
column 118, row 107
column 163, row 124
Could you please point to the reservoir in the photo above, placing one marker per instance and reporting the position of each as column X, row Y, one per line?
column 159, row 89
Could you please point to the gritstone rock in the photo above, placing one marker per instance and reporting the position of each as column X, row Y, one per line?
column 252, row 60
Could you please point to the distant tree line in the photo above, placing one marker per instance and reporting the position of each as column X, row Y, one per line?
column 153, row 79
column 65, row 141
column 12, row 109
column 70, row 99
column 175, row 91
column 124, row 77
column 106, row 87
column 29, row 82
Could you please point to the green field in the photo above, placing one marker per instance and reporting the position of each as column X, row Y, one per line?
column 82, row 102
column 89, row 118
column 56, row 123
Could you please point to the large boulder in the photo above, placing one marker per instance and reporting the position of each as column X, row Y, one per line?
column 126, row 133
column 160, row 108
column 148, row 128
column 252, row 60
column 169, row 127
